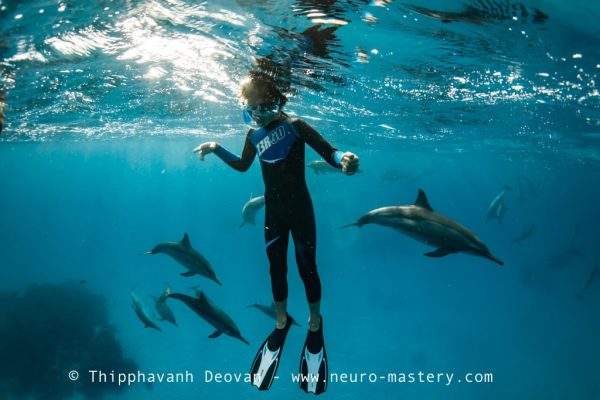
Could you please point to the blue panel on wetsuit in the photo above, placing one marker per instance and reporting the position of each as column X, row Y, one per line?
column 274, row 144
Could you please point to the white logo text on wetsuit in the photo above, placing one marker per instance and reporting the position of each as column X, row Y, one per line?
column 273, row 137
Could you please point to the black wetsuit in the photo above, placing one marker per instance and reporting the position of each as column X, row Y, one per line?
column 280, row 148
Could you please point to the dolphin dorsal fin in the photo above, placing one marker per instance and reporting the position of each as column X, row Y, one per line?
column 186, row 241
column 422, row 201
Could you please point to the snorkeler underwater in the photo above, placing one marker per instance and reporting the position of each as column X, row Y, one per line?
column 247, row 199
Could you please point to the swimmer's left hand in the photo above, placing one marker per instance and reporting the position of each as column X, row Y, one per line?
column 349, row 163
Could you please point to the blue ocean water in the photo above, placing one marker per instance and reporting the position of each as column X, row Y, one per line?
column 104, row 101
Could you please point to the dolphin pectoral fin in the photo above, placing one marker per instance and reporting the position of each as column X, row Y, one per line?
column 186, row 241
column 215, row 334
column 187, row 273
column 441, row 252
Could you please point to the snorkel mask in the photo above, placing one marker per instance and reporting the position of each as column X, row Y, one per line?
column 260, row 115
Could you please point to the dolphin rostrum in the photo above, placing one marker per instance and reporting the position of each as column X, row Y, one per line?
column 141, row 311
column 497, row 207
column 211, row 313
column 184, row 254
column 270, row 311
column 251, row 208
column 422, row 223
column 160, row 304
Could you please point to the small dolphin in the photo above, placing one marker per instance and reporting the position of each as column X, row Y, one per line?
column 497, row 207
column 212, row 314
column 449, row 16
column 141, row 311
column 270, row 311
column 480, row 14
column 422, row 223
column 322, row 167
column 163, row 309
column 184, row 254
column 563, row 257
column 251, row 208
column 524, row 235
column 591, row 277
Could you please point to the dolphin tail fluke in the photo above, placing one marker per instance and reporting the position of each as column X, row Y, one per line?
column 506, row 187
column 242, row 224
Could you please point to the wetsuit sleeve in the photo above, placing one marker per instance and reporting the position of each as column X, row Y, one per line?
column 238, row 163
column 314, row 139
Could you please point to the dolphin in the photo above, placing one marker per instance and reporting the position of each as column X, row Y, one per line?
column 163, row 309
column 270, row 311
column 184, row 254
column 251, row 208
column 449, row 16
column 497, row 207
column 211, row 313
column 422, row 223
column 524, row 235
column 322, row 167
column 591, row 277
column 141, row 311
column 563, row 257
column 478, row 15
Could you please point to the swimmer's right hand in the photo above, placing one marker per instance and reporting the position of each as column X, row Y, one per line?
column 205, row 148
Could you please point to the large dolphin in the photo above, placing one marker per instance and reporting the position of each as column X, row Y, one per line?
column 497, row 207
column 211, row 313
column 160, row 304
column 141, row 311
column 250, row 209
column 184, row 254
column 270, row 311
column 422, row 223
